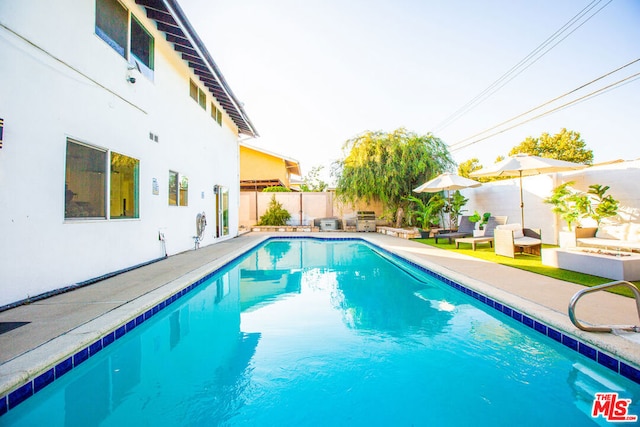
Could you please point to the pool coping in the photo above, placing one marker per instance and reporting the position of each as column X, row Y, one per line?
column 25, row 375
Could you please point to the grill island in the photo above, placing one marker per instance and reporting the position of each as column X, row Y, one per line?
column 365, row 221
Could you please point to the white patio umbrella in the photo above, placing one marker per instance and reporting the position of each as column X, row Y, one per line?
column 447, row 182
column 525, row 165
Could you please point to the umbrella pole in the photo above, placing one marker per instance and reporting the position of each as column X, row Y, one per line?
column 521, row 202
column 449, row 201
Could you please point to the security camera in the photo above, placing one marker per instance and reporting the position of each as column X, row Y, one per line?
column 131, row 79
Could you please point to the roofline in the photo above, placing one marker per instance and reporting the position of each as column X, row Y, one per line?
column 271, row 153
column 181, row 19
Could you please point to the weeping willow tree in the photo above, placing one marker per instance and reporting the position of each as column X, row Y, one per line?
column 387, row 166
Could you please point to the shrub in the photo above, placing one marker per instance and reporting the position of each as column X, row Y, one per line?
column 276, row 189
column 275, row 214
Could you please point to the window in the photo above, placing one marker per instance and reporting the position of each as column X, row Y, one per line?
column 184, row 191
column 111, row 24
column 126, row 36
column 124, row 186
column 178, row 189
column 216, row 114
column 173, row 188
column 86, row 178
column 197, row 94
column 222, row 210
column 193, row 90
column 85, row 181
column 202, row 98
column 141, row 47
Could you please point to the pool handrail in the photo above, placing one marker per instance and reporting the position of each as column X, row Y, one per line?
column 608, row 328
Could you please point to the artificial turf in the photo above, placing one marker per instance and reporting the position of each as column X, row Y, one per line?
column 530, row 263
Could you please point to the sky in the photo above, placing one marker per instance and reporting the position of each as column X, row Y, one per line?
column 313, row 74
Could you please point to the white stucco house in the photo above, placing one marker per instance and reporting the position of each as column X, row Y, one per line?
column 117, row 129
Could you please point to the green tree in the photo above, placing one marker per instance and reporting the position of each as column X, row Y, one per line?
column 388, row 166
column 468, row 166
column 312, row 181
column 565, row 145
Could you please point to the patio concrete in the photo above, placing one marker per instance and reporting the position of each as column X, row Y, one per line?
column 57, row 327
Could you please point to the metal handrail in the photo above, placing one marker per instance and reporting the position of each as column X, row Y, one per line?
column 579, row 294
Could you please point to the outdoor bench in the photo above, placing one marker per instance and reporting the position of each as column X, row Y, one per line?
column 612, row 236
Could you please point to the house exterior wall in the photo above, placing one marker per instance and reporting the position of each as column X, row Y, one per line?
column 63, row 81
column 258, row 165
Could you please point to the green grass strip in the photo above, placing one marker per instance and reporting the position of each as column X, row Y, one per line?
column 530, row 263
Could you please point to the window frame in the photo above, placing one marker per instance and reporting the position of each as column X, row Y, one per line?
column 105, row 187
column 175, row 191
column 216, row 114
column 147, row 69
column 179, row 188
column 135, row 191
column 198, row 94
column 69, row 190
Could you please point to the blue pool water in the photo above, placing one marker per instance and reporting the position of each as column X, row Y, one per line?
column 308, row 332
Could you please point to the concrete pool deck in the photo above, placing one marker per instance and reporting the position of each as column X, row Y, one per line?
column 50, row 330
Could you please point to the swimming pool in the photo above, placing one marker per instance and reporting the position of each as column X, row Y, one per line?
column 303, row 331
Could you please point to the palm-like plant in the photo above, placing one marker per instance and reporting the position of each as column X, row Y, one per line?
column 426, row 213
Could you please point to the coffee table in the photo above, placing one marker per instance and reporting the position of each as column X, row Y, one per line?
column 474, row 241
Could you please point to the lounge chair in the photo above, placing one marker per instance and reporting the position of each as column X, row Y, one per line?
column 465, row 228
column 489, row 230
column 512, row 238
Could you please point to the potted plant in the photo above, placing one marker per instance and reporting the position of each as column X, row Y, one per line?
column 572, row 206
column 602, row 206
column 455, row 205
column 569, row 205
column 480, row 220
column 425, row 214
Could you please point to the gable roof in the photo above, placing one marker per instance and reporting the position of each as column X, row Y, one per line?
column 292, row 165
column 171, row 20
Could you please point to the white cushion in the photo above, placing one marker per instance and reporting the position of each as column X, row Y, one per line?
column 516, row 228
column 612, row 231
column 526, row 241
column 633, row 234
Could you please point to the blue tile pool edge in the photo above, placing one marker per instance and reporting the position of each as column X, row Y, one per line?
column 52, row 373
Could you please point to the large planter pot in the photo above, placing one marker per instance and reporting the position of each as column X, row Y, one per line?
column 567, row 239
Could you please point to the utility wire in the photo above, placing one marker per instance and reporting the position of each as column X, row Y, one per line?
column 453, row 146
column 517, row 69
column 595, row 93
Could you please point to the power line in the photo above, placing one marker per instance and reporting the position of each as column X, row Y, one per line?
column 593, row 94
column 453, row 146
column 517, row 69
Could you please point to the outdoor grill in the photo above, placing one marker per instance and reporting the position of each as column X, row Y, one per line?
column 365, row 221
column 329, row 224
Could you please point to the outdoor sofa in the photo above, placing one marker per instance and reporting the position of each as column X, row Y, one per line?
column 512, row 238
column 625, row 236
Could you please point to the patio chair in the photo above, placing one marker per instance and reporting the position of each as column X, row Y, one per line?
column 511, row 238
column 489, row 230
column 465, row 228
